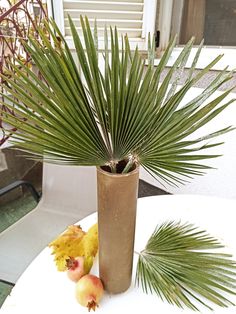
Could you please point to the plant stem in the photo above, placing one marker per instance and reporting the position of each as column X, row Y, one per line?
column 113, row 167
column 128, row 166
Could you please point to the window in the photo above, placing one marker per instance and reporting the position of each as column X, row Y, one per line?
column 213, row 20
column 134, row 17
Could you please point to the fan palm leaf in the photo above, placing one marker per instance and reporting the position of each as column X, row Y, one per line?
column 177, row 265
column 121, row 112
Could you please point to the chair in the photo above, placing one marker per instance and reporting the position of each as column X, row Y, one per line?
column 68, row 195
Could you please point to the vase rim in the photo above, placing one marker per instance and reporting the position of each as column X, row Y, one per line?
column 136, row 170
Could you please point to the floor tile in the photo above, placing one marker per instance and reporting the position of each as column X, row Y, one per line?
column 5, row 289
column 13, row 211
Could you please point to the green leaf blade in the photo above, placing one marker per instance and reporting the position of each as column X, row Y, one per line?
column 180, row 264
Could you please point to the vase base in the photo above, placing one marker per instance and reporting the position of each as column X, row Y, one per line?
column 116, row 287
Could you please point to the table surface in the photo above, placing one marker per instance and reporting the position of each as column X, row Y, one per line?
column 42, row 289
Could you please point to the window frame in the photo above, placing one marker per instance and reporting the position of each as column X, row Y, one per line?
column 148, row 26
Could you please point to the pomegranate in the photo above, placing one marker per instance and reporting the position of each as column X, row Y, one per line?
column 89, row 291
column 75, row 267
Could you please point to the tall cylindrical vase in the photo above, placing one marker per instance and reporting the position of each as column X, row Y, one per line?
column 117, row 201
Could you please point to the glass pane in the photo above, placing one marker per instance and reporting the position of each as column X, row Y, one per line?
column 220, row 23
column 213, row 20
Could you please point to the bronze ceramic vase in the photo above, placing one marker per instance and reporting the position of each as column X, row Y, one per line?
column 117, row 201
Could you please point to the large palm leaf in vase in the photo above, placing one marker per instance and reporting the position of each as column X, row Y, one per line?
column 118, row 117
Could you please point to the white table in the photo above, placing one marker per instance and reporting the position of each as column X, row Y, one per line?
column 41, row 289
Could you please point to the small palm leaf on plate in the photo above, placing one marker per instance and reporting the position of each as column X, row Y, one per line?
column 177, row 265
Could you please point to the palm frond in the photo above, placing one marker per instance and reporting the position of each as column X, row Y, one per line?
column 151, row 50
column 179, row 267
column 122, row 113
